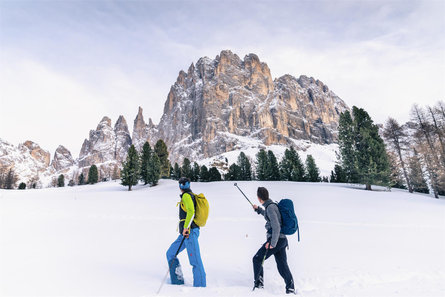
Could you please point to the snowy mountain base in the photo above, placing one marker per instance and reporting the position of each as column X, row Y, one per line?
column 102, row 240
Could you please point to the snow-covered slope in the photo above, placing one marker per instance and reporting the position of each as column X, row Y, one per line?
column 28, row 160
column 324, row 154
column 102, row 240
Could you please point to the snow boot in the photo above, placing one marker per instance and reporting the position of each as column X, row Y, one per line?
column 176, row 276
column 291, row 291
column 258, row 284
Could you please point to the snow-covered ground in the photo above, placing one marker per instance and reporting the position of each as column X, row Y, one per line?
column 102, row 240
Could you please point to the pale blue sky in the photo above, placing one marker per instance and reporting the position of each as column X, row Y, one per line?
column 65, row 64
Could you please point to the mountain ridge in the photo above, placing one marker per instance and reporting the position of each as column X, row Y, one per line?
column 219, row 105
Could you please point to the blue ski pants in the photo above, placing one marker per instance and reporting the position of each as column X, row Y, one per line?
column 192, row 246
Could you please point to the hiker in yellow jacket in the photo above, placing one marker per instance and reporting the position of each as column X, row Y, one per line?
column 190, row 230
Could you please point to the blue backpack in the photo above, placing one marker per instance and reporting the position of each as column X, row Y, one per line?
column 289, row 219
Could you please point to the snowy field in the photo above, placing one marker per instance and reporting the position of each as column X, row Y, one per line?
column 102, row 240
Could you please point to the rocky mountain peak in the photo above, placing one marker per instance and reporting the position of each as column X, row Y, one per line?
column 121, row 125
column 218, row 105
column 218, row 101
column 105, row 123
column 40, row 155
column 141, row 131
column 123, row 139
column 62, row 159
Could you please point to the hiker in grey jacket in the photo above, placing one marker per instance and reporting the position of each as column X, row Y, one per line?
column 275, row 245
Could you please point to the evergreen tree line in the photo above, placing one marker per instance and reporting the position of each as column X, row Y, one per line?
column 416, row 150
column 290, row 168
column 148, row 166
column 195, row 173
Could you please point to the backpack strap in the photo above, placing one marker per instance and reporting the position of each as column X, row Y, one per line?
column 265, row 213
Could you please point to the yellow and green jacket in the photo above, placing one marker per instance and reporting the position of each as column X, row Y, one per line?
column 187, row 211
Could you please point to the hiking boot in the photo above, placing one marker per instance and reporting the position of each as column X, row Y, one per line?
column 258, row 284
column 291, row 291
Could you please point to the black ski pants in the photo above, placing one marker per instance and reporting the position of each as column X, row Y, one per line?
column 280, row 257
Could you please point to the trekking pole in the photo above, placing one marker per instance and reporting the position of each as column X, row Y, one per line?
column 236, row 185
column 265, row 255
column 169, row 264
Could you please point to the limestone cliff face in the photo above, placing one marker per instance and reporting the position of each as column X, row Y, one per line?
column 142, row 132
column 217, row 106
column 28, row 160
column 219, row 103
column 62, row 159
column 100, row 147
column 40, row 155
column 106, row 147
column 123, row 139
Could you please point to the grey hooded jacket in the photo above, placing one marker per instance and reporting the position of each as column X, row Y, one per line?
column 273, row 221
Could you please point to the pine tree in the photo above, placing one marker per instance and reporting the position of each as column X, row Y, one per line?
column 154, row 170
column 245, row 167
column 286, row 166
column 362, row 151
column 131, row 168
column 272, row 170
column 195, row 172
column 214, row 174
column 234, row 173
column 146, row 156
column 346, row 143
column 312, row 171
column 81, row 179
column 371, row 157
column 291, row 167
column 338, row 175
column 186, row 169
column 298, row 170
column 162, row 152
column 177, row 172
column 93, row 175
column 204, row 176
column 61, row 181
column 262, row 165
column 416, row 174
column 22, row 186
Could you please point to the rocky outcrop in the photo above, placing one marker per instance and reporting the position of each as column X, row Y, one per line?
column 62, row 159
column 142, row 132
column 219, row 104
column 106, row 147
column 28, row 160
column 40, row 155
column 101, row 145
column 123, row 139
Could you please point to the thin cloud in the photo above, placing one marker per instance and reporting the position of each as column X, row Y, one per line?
column 112, row 57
